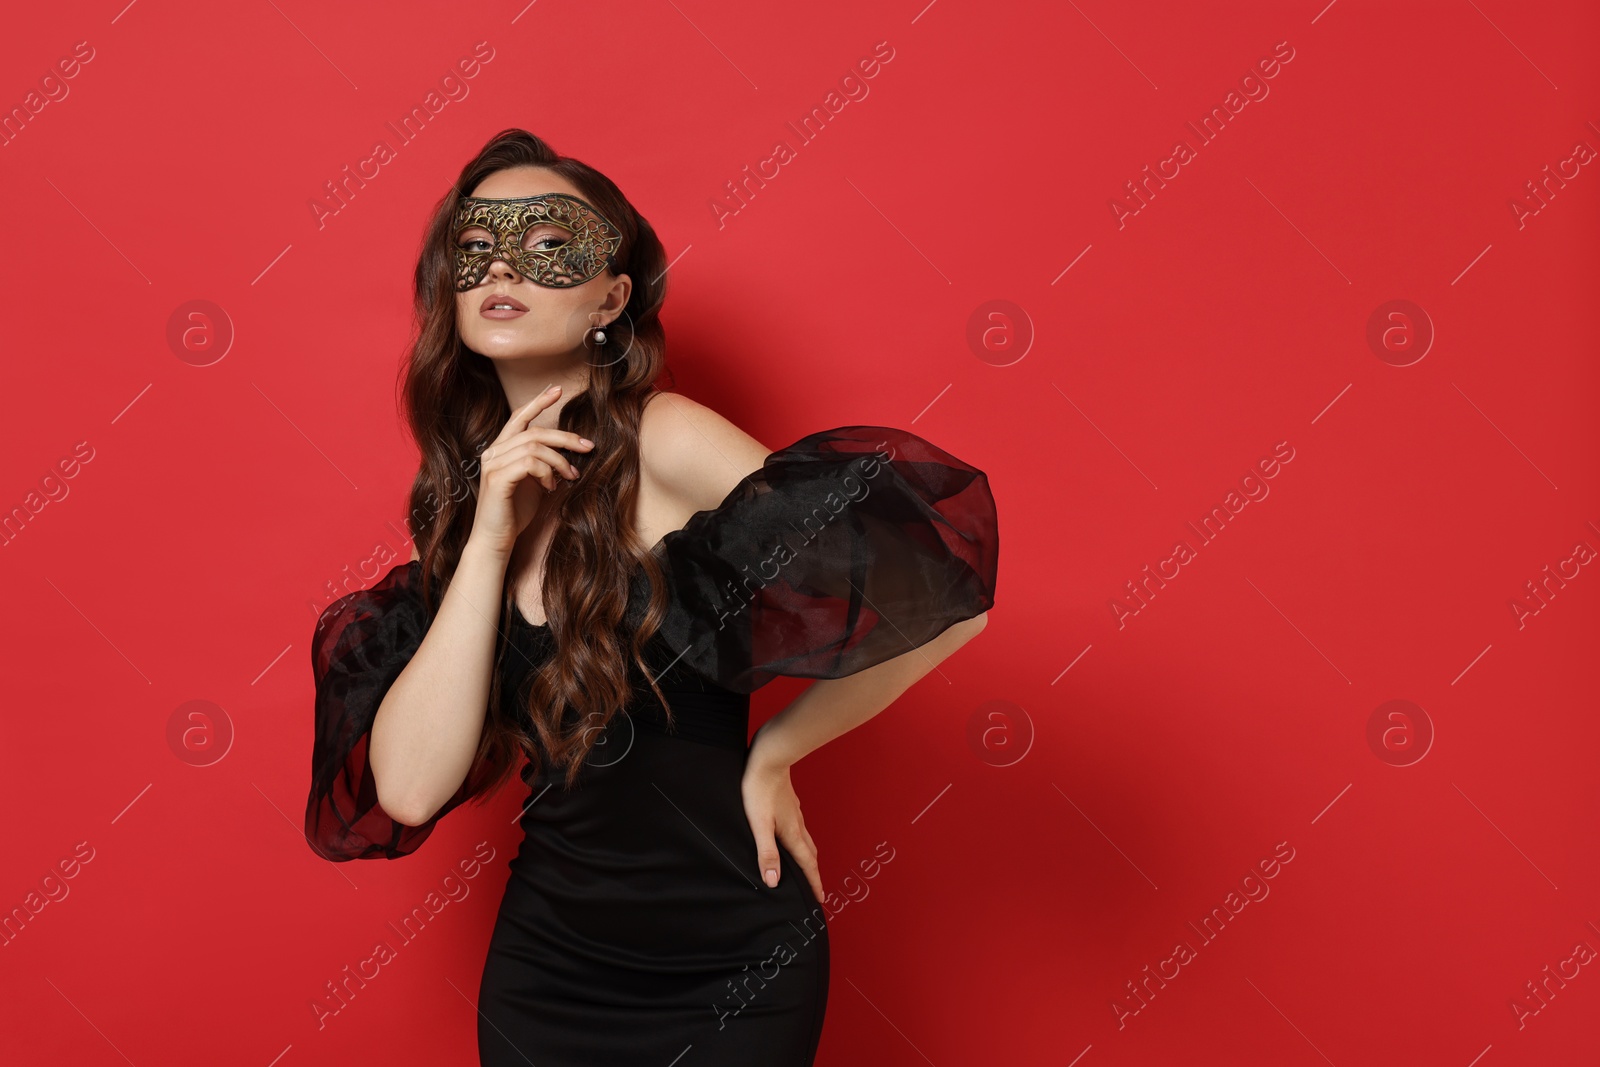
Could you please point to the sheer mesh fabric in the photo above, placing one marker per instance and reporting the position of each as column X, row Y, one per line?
column 847, row 548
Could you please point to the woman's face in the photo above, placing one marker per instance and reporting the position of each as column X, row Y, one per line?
column 556, row 320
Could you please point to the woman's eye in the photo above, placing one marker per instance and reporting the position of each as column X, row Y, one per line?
column 542, row 242
column 546, row 238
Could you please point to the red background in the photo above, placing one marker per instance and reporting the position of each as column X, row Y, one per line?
column 1162, row 758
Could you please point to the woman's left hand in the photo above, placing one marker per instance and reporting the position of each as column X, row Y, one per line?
column 773, row 808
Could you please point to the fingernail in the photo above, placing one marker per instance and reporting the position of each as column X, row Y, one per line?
column 585, row 441
column 771, row 877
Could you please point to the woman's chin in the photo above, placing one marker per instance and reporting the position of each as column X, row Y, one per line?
column 514, row 349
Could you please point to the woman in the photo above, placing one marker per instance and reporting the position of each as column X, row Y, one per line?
column 627, row 568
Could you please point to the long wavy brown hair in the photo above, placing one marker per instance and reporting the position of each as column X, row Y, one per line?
column 455, row 406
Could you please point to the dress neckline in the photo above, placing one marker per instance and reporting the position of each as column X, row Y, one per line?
column 657, row 550
column 517, row 618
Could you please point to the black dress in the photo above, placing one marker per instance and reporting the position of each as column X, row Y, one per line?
column 635, row 927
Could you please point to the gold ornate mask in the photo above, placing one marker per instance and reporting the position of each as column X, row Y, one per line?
column 553, row 240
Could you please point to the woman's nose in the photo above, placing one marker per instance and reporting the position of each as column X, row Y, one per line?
column 499, row 268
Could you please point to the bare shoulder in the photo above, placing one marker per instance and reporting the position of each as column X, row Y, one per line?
column 692, row 454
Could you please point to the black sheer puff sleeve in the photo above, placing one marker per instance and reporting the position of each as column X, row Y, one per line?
column 361, row 644
column 847, row 548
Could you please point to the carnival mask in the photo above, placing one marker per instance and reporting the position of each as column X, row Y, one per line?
column 582, row 245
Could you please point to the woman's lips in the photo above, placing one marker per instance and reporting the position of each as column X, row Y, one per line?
column 515, row 308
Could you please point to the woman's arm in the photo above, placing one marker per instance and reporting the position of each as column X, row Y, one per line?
column 425, row 734
column 834, row 706
column 826, row 709
column 694, row 461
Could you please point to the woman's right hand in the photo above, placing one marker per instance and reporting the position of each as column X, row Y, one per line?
column 514, row 467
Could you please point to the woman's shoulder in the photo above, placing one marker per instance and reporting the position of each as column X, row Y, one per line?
column 838, row 551
column 692, row 453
